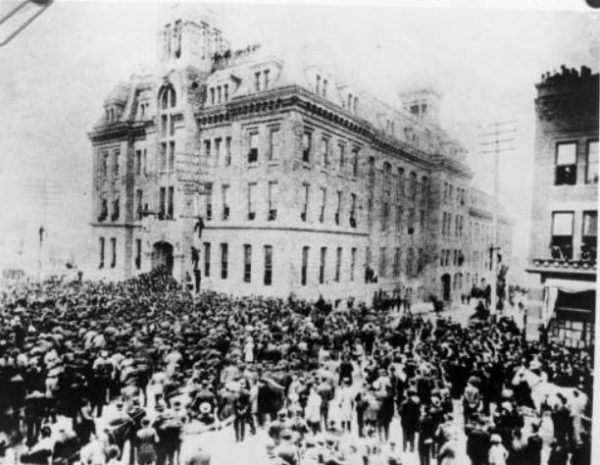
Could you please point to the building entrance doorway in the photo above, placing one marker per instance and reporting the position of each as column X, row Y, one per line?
column 162, row 256
column 446, row 283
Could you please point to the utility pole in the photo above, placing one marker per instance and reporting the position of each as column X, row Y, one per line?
column 499, row 134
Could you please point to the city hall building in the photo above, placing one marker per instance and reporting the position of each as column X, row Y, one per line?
column 246, row 172
column 565, row 203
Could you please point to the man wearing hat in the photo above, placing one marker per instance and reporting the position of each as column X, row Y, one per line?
column 409, row 419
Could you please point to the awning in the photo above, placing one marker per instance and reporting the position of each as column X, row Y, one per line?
column 564, row 286
column 570, row 285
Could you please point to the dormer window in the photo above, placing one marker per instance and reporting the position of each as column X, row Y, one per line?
column 219, row 94
column 212, row 95
column 318, row 85
column 324, row 87
column 226, row 92
column 266, row 73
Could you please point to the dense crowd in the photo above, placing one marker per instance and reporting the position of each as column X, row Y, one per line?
column 136, row 366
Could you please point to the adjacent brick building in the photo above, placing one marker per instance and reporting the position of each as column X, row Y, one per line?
column 564, row 214
column 263, row 174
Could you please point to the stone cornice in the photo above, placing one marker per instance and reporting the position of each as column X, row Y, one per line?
column 120, row 130
column 297, row 97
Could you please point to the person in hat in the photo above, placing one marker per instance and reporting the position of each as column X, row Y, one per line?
column 533, row 450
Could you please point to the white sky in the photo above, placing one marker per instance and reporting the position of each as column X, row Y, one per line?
column 55, row 75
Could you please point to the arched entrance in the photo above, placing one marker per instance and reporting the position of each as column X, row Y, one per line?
column 446, row 283
column 162, row 255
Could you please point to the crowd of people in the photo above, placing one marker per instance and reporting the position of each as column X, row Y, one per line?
column 108, row 373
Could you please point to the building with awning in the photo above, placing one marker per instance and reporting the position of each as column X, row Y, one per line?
column 563, row 245
column 569, row 305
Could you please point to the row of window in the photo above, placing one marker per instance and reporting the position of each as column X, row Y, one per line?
column 219, row 94
column 565, row 172
column 113, row 252
column 213, row 148
column 103, row 214
column 104, row 163
column 449, row 195
column 451, row 257
column 246, row 260
column 262, row 80
column 401, row 187
column 563, row 224
column 326, row 158
column 459, row 224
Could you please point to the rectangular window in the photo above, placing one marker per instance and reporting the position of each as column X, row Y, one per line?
column 171, row 126
column 304, row 212
column 218, row 151
column 589, row 239
column 139, row 204
column 224, row 260
column 562, row 235
column 226, row 92
column 171, row 166
column 338, row 208
column 325, row 152
column 396, row 265
column 304, row 269
column 272, row 200
column 324, row 87
column 162, row 194
column 591, row 165
column 144, row 160
column 411, row 220
column 207, row 259
column 398, row 218
column 268, row 277
column 306, row 144
column 164, row 122
column 102, row 244
column 138, row 254
column 338, row 264
column 273, row 144
column 323, row 203
column 171, row 205
column 225, row 202
column 207, row 148
column 212, row 95
column 253, row 147
column 251, row 201
column 382, row 262
column 208, row 188
column 228, row 151
column 113, row 247
column 400, row 191
column 385, row 215
column 323, row 258
column 247, row 263
column 355, row 162
column 413, row 185
column 566, row 164
column 352, row 263
column 341, row 157
column 353, row 210
column 163, row 156
column 138, row 162
column 219, row 94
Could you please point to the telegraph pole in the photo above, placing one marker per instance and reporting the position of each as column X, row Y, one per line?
column 500, row 134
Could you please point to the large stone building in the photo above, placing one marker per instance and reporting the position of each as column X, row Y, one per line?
column 565, row 196
column 304, row 183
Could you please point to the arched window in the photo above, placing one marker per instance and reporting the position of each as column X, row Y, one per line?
column 167, row 97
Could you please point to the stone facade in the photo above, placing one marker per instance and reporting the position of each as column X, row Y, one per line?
column 304, row 184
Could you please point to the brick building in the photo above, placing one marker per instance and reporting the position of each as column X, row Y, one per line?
column 565, row 212
column 263, row 174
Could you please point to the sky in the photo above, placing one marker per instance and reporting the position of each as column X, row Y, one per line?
column 55, row 75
